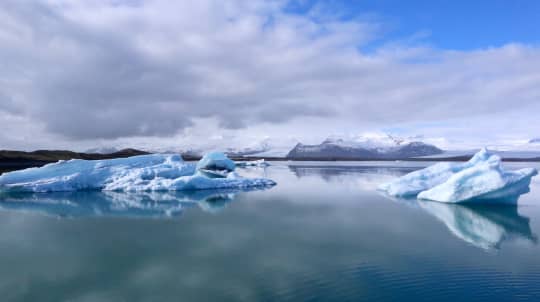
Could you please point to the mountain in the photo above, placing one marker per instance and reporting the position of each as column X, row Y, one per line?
column 250, row 150
column 363, row 148
column 535, row 141
column 14, row 160
column 268, row 147
column 56, row 155
column 243, row 147
column 102, row 150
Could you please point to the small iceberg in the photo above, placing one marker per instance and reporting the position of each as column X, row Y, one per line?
column 481, row 179
column 254, row 163
column 154, row 172
column 215, row 165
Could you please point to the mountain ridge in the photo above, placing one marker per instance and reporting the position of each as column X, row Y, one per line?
column 340, row 149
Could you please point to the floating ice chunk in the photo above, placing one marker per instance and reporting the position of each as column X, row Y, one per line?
column 413, row 183
column 484, row 181
column 216, row 161
column 253, row 163
column 156, row 172
column 481, row 178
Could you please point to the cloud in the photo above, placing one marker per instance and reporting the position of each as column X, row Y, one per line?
column 89, row 70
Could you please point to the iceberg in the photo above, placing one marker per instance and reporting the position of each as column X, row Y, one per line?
column 482, row 178
column 154, row 172
column 215, row 165
column 254, row 163
column 216, row 161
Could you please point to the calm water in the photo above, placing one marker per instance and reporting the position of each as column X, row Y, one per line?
column 322, row 234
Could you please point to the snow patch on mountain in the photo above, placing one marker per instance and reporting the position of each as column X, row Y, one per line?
column 372, row 146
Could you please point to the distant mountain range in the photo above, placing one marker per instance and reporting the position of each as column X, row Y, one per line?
column 14, row 160
column 362, row 148
column 56, row 155
column 268, row 148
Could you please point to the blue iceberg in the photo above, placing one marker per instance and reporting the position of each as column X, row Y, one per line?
column 216, row 161
column 155, row 172
column 482, row 179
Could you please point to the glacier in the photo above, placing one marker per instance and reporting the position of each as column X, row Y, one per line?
column 154, row 172
column 481, row 179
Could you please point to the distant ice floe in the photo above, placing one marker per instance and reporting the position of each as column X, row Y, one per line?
column 253, row 163
column 154, row 172
column 481, row 179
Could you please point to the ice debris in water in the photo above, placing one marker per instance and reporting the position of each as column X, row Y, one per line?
column 155, row 172
column 482, row 178
column 216, row 161
column 253, row 163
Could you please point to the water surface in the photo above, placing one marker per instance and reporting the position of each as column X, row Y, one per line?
column 322, row 234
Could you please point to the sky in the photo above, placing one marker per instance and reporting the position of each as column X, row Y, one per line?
column 168, row 75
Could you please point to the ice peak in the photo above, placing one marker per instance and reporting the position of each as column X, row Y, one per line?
column 481, row 155
column 482, row 178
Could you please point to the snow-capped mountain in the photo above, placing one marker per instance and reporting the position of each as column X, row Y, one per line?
column 251, row 149
column 364, row 147
column 232, row 146
column 103, row 150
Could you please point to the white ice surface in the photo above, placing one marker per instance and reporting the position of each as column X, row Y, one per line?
column 253, row 163
column 216, row 161
column 481, row 178
column 155, row 172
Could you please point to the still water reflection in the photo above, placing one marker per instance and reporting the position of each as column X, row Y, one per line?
column 121, row 204
column 322, row 234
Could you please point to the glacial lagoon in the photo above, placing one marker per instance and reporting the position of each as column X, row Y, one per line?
column 323, row 233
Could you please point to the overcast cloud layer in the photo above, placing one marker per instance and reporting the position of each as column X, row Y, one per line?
column 78, row 73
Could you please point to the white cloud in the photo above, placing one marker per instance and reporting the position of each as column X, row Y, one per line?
column 140, row 71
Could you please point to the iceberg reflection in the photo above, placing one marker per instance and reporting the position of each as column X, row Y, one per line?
column 484, row 226
column 119, row 204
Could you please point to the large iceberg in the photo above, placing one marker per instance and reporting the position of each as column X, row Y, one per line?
column 482, row 178
column 155, row 172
